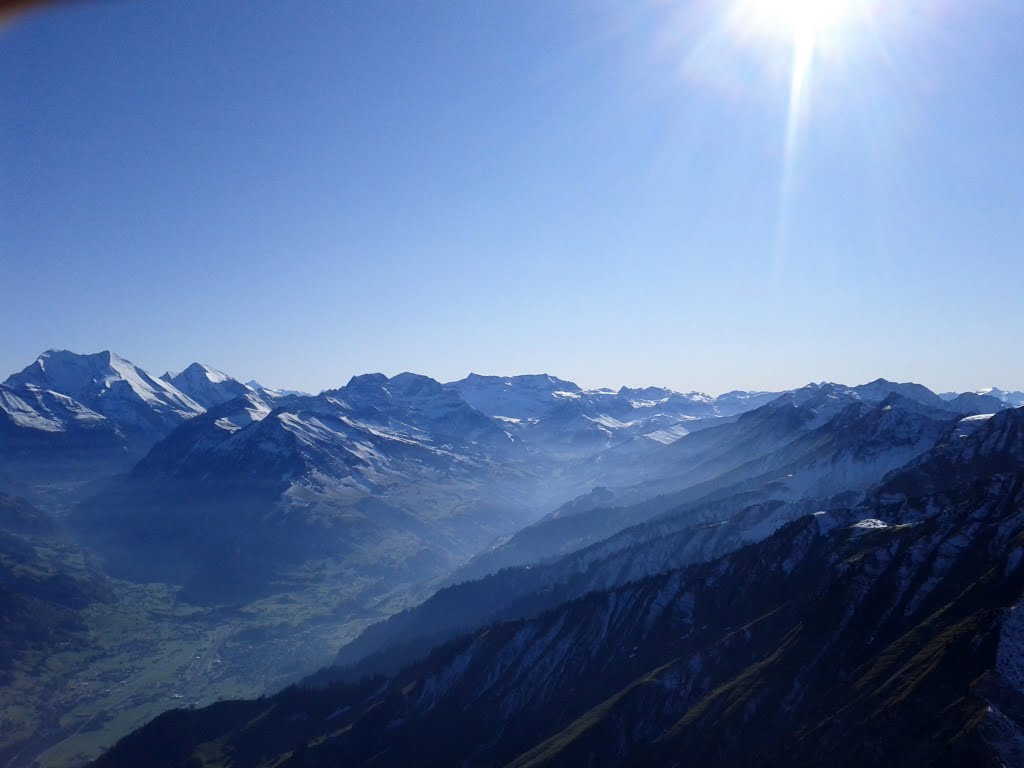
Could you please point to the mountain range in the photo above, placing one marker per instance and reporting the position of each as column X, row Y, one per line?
column 405, row 472
column 879, row 633
column 411, row 517
column 201, row 480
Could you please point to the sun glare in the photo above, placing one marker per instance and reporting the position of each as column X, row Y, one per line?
column 804, row 21
column 806, row 30
column 746, row 47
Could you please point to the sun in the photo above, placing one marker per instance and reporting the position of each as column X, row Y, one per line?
column 808, row 28
column 805, row 22
column 804, row 34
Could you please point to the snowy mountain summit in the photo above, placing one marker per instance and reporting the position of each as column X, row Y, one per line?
column 1013, row 399
column 111, row 386
column 207, row 386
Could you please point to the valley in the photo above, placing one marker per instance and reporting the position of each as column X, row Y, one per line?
column 144, row 651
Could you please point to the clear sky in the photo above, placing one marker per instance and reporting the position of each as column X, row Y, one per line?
column 617, row 193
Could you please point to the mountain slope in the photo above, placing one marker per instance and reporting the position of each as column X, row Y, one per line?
column 39, row 422
column 48, row 586
column 44, row 581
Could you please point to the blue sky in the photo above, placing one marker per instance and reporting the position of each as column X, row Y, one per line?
column 299, row 192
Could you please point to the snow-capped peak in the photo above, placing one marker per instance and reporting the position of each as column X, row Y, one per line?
column 110, row 385
column 206, row 385
column 519, row 397
column 1014, row 399
column 274, row 394
column 84, row 376
column 204, row 371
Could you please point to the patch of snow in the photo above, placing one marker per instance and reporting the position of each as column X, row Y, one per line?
column 566, row 395
column 669, row 435
column 870, row 523
column 978, row 417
